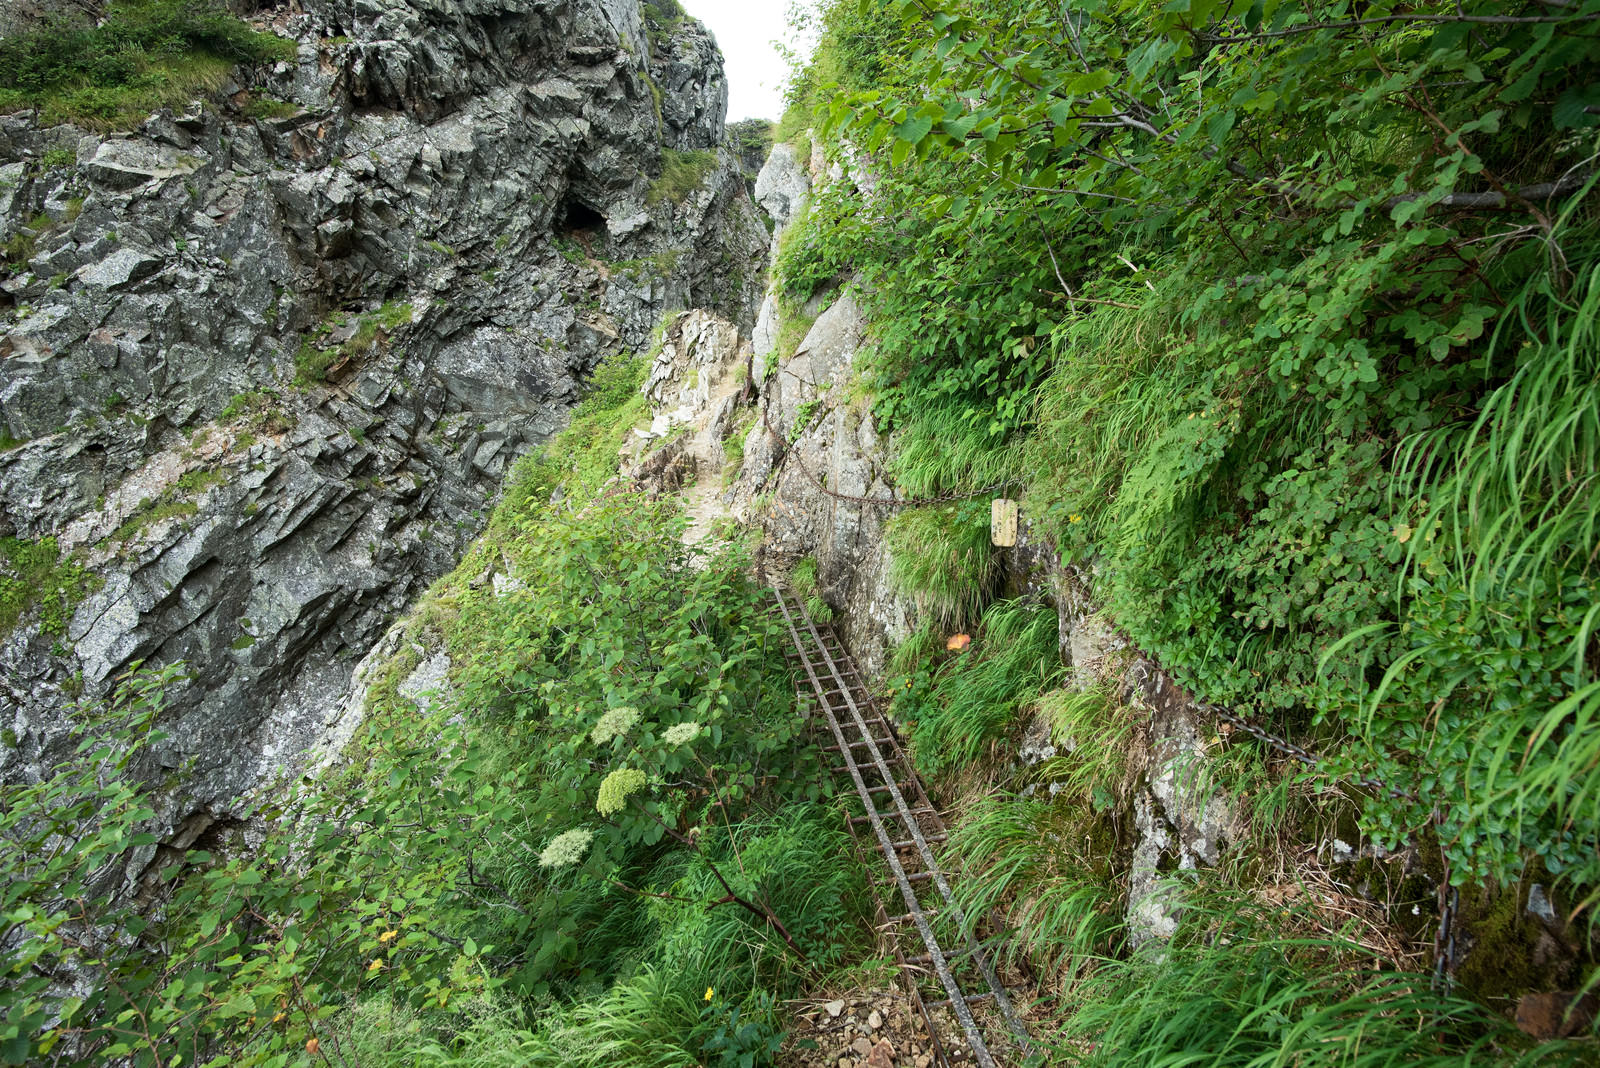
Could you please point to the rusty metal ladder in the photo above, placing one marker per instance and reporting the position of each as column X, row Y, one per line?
column 905, row 826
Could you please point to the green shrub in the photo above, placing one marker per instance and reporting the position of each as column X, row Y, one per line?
column 749, row 135
column 942, row 558
column 266, row 107
column 58, row 159
column 681, row 174
column 458, row 878
column 36, row 574
column 145, row 53
column 1330, row 458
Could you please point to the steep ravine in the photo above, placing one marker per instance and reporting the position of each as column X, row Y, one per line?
column 261, row 376
column 811, row 470
column 268, row 361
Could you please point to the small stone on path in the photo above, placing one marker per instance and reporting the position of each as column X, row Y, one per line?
column 834, row 1008
column 875, row 1020
column 882, row 1056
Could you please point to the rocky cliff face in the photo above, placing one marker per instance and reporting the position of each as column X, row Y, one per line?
column 260, row 375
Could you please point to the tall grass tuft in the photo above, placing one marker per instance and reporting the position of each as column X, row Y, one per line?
column 803, row 580
column 1506, row 511
column 1232, row 988
column 1095, row 734
column 1032, row 861
column 957, row 711
column 941, row 557
column 940, row 449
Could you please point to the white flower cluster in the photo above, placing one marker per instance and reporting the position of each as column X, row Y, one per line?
column 679, row 733
column 616, row 788
column 614, row 724
column 566, row 849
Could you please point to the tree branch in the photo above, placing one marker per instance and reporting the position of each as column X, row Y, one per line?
column 1477, row 20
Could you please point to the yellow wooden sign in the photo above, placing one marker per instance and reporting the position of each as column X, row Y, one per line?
column 1003, row 522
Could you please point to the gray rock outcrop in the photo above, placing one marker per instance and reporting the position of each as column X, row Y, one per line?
column 260, row 376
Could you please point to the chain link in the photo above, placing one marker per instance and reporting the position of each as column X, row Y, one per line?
column 1298, row 753
column 1444, row 939
column 888, row 502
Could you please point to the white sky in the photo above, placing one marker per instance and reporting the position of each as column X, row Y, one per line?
column 745, row 30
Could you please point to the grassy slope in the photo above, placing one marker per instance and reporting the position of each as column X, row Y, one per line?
column 1398, row 575
column 145, row 54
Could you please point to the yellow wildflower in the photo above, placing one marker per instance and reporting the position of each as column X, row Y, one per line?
column 375, row 966
column 709, row 992
column 1074, row 518
column 387, row 937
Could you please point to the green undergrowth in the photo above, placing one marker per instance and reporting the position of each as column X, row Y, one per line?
column 37, row 575
column 178, row 501
column 373, row 330
column 257, row 411
column 1225, row 294
column 267, row 107
column 681, row 174
column 793, row 326
column 604, row 840
column 955, row 707
column 661, row 19
column 943, row 560
column 1229, row 304
column 19, row 247
column 144, row 54
column 1265, row 964
column 1237, row 981
column 803, row 581
column 751, row 135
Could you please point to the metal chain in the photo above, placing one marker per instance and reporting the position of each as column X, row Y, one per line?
column 1444, row 939
column 1298, row 753
column 893, row 502
column 1283, row 745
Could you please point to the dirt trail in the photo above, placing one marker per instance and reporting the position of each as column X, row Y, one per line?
column 702, row 503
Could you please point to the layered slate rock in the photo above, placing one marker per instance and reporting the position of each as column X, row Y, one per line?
column 267, row 373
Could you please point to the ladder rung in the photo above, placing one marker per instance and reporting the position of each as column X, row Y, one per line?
column 920, row 810
column 905, row 917
column 852, row 745
column 907, row 843
column 969, row 999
